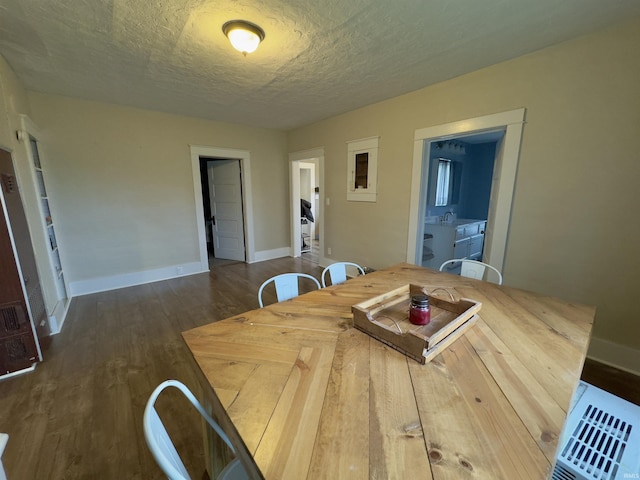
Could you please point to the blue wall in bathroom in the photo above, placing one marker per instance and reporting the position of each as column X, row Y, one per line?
column 476, row 181
column 477, row 173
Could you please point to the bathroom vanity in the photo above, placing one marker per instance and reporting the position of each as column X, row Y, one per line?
column 460, row 238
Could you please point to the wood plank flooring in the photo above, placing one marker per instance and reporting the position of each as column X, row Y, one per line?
column 623, row 384
column 79, row 415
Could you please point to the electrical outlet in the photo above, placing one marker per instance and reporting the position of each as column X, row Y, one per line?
column 329, row 251
column 179, row 270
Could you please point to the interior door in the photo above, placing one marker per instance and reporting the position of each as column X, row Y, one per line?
column 225, row 193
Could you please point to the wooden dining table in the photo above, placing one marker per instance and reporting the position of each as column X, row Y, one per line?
column 305, row 395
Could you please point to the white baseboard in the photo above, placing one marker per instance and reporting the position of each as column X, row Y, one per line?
column 615, row 355
column 103, row 284
column 272, row 254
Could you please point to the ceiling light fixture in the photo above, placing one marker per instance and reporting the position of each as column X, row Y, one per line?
column 244, row 36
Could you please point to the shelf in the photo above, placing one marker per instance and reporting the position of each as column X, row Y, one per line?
column 45, row 212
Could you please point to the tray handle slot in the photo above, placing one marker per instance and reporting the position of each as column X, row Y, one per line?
column 392, row 302
column 424, row 290
column 382, row 325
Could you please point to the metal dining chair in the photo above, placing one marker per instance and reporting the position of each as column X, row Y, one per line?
column 162, row 447
column 473, row 269
column 338, row 272
column 286, row 285
column 4, row 438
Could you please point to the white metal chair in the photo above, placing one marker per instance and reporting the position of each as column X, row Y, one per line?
column 4, row 438
column 162, row 447
column 286, row 285
column 338, row 272
column 473, row 269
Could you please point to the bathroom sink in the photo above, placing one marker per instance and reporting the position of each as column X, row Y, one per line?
column 452, row 223
column 462, row 221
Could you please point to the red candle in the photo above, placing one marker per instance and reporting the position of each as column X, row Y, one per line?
column 419, row 312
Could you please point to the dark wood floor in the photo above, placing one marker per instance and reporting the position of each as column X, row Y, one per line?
column 79, row 415
column 623, row 384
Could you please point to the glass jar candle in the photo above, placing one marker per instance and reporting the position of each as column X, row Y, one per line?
column 419, row 312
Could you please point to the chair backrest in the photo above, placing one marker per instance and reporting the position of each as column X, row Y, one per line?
column 162, row 447
column 286, row 285
column 473, row 269
column 338, row 272
column 4, row 438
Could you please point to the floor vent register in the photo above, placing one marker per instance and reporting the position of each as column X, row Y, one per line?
column 601, row 439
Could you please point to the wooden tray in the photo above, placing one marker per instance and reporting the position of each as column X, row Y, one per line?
column 386, row 318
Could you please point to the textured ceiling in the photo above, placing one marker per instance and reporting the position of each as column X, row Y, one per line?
column 319, row 58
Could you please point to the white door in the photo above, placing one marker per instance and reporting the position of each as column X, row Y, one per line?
column 225, row 193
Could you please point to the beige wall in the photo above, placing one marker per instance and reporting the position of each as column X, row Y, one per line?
column 122, row 187
column 13, row 99
column 573, row 233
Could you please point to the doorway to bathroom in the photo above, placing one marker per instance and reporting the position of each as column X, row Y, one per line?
column 507, row 152
column 460, row 173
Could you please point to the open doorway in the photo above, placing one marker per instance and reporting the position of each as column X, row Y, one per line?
column 458, row 188
column 233, row 159
column 306, row 200
column 502, row 184
column 309, row 208
column 222, row 204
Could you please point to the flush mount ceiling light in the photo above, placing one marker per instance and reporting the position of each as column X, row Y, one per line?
column 244, row 36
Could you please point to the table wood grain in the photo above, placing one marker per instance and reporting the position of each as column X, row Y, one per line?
column 306, row 395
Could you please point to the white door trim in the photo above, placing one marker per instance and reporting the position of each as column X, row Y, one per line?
column 294, row 181
column 244, row 156
column 513, row 122
column 311, row 168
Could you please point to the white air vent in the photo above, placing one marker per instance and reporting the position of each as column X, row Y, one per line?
column 601, row 439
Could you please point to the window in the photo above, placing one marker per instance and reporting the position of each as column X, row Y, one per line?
column 443, row 182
